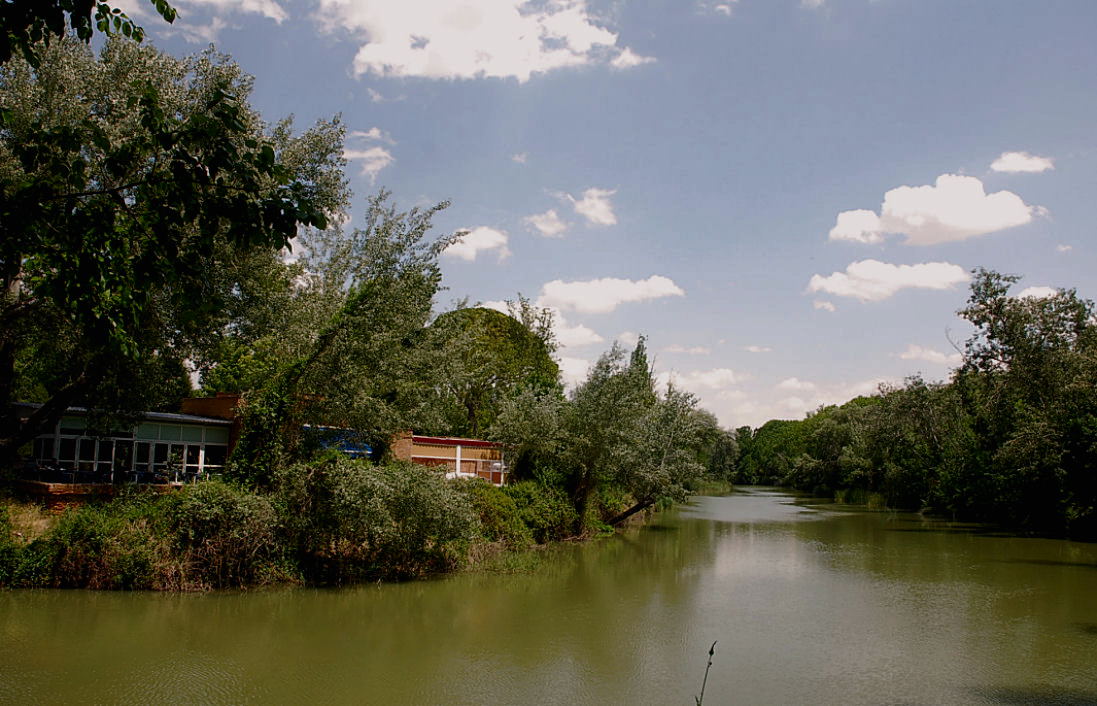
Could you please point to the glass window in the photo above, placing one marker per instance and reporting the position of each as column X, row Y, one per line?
column 106, row 451
column 190, row 433
column 169, row 432
column 160, row 454
column 67, row 450
column 143, row 451
column 148, row 431
column 123, row 456
column 217, row 435
column 215, row 455
column 87, row 449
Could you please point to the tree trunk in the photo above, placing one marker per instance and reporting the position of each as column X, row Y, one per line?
column 642, row 505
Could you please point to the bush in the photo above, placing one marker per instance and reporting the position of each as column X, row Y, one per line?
column 351, row 520
column 547, row 511
column 500, row 519
column 9, row 550
column 221, row 535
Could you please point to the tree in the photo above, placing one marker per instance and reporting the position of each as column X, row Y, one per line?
column 483, row 356
column 28, row 25
column 350, row 354
column 132, row 184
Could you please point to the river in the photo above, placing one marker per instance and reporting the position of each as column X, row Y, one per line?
column 810, row 604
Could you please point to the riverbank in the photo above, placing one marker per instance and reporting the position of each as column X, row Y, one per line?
column 334, row 527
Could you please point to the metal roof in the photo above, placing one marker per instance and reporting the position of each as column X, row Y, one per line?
column 172, row 417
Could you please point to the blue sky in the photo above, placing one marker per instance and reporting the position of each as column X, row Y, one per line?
column 785, row 196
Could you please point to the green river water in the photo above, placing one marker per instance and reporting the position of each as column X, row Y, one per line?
column 811, row 604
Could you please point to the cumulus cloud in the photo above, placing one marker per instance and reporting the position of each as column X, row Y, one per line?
column 520, row 157
column 628, row 59
column 1014, row 162
column 478, row 240
column 794, row 384
column 929, row 355
column 628, row 339
column 573, row 370
column 601, row 296
column 717, row 7
column 823, row 305
column 860, row 226
column 757, row 349
column 374, row 133
column 1063, row 248
column 812, row 4
column 1037, row 293
column 217, row 12
column 373, row 160
column 871, row 280
column 594, row 206
column 472, row 39
column 549, row 224
column 954, row 208
column 699, row 381
column 691, row 350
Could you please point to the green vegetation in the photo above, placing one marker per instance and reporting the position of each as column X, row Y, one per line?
column 1011, row 438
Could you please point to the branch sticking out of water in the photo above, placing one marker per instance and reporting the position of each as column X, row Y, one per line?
column 711, row 651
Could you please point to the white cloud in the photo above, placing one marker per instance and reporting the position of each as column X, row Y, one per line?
column 496, row 304
column 195, row 31
column 860, row 226
column 954, row 208
column 1063, row 248
column 478, row 240
column 628, row 339
column 548, row 224
column 757, row 349
column 693, row 350
column 628, row 59
column 373, row 159
column 717, row 7
column 701, row 380
column 823, row 305
column 1014, row 162
column 573, row 370
column 1037, row 293
column 471, row 39
column 567, row 335
column 930, row 355
column 594, row 206
column 871, row 280
column 601, row 296
column 520, row 157
column 796, row 385
column 374, row 133
column 812, row 4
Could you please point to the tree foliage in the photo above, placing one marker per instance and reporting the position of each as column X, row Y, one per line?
column 132, row 186
column 28, row 25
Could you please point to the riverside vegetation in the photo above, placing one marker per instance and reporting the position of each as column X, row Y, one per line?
column 222, row 251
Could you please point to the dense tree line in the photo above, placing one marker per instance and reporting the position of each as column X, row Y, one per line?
column 1010, row 438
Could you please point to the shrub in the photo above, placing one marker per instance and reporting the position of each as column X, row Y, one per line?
column 500, row 518
column 352, row 520
column 221, row 535
column 547, row 511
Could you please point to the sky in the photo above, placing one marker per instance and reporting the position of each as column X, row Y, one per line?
column 786, row 197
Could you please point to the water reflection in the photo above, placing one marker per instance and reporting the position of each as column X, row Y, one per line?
column 811, row 604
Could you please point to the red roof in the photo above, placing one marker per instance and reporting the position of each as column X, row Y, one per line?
column 454, row 441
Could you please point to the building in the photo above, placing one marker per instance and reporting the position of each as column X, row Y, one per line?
column 168, row 449
column 462, row 458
